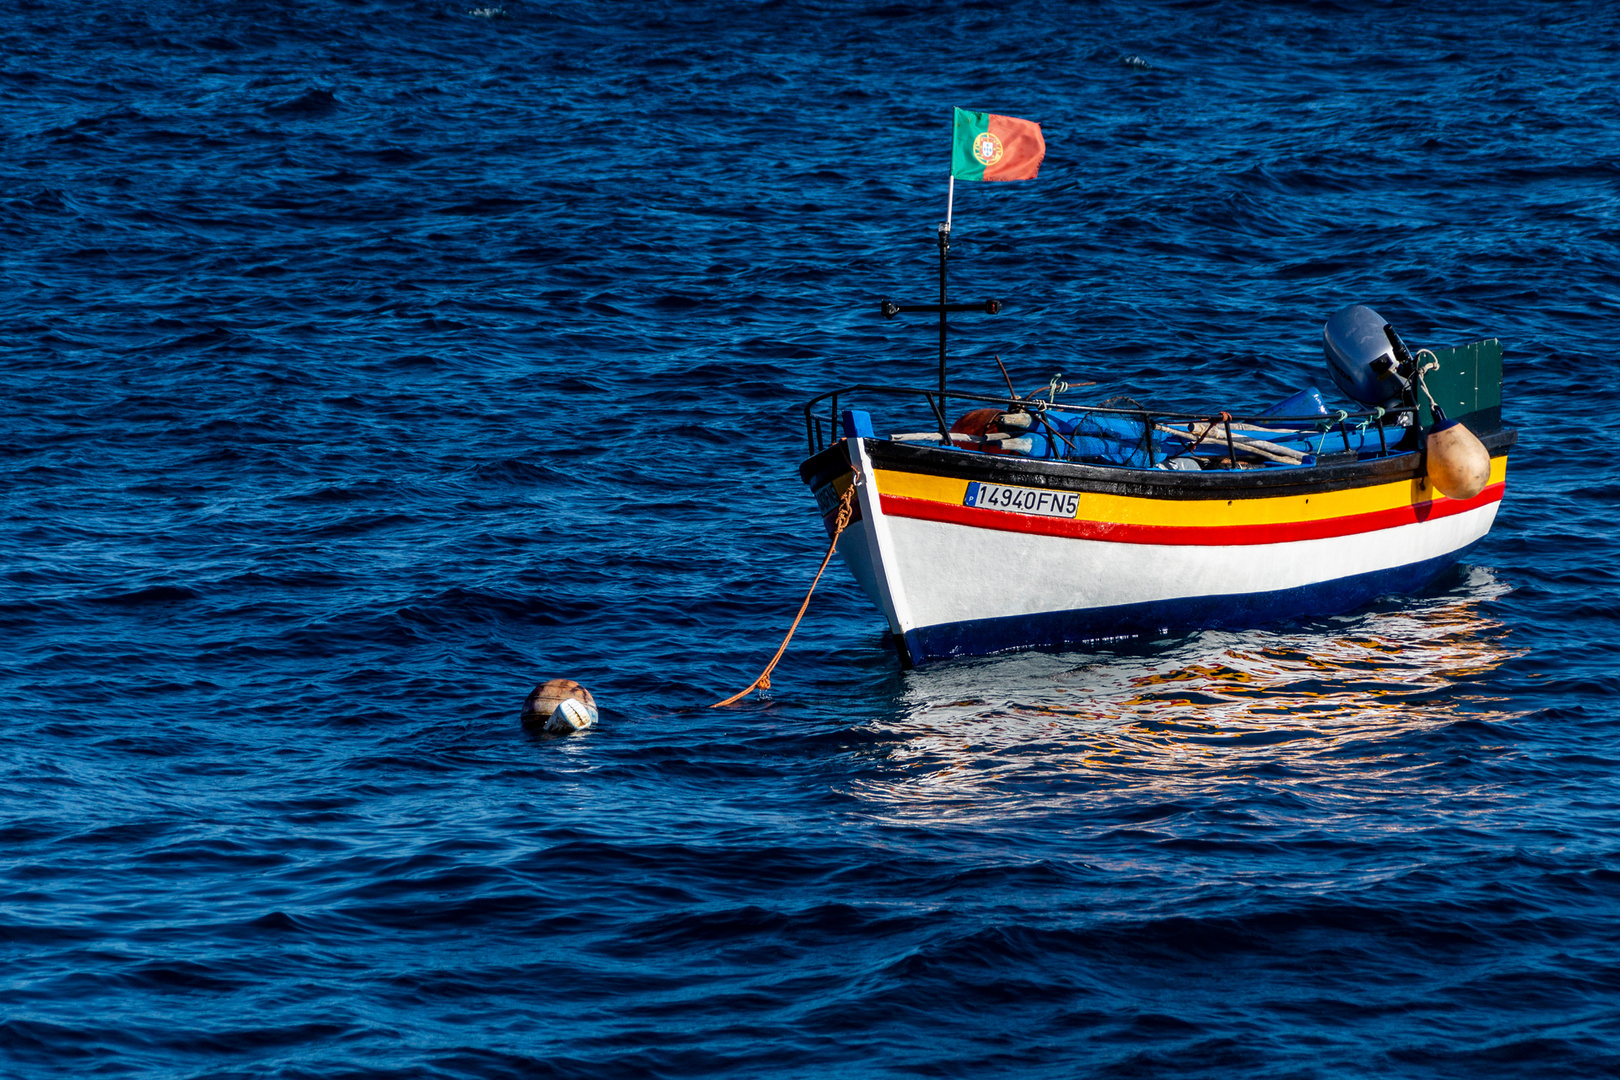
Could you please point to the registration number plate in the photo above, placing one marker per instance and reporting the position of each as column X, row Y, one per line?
column 827, row 499
column 1023, row 500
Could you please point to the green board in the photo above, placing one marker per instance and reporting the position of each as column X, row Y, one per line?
column 1468, row 385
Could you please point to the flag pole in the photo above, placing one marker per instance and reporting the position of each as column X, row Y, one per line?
column 944, row 250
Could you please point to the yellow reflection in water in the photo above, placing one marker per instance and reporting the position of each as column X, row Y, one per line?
column 1305, row 706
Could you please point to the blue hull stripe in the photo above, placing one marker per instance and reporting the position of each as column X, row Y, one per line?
column 1054, row 629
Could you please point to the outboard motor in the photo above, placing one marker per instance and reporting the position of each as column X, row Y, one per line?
column 1367, row 359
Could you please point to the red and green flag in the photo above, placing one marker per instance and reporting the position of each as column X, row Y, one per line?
column 986, row 146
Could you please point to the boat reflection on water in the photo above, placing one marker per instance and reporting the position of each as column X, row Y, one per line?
column 1191, row 714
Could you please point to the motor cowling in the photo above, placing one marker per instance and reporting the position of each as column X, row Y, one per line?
column 1362, row 357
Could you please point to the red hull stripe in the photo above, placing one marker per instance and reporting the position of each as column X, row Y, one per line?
column 1185, row 535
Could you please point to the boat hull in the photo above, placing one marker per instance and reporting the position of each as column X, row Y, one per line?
column 968, row 554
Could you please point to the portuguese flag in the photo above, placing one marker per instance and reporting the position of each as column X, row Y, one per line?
column 986, row 146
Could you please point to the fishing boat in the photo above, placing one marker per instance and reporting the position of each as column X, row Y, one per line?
column 980, row 523
column 983, row 522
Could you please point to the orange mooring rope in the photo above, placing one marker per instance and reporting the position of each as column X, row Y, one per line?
column 846, row 504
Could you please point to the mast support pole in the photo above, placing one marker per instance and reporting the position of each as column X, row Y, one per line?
column 944, row 252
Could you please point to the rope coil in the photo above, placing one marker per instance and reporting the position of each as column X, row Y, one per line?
column 846, row 510
column 1432, row 365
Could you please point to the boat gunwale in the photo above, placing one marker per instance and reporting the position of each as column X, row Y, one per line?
column 937, row 398
column 1121, row 480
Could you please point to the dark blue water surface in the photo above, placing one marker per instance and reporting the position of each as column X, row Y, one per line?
column 366, row 363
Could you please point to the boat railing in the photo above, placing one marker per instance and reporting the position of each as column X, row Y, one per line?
column 1218, row 428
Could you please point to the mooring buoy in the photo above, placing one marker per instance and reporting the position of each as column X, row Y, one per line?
column 559, row 707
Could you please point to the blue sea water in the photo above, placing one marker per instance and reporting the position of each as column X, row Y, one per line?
column 365, row 364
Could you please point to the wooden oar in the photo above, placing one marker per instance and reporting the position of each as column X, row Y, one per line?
column 1285, row 455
